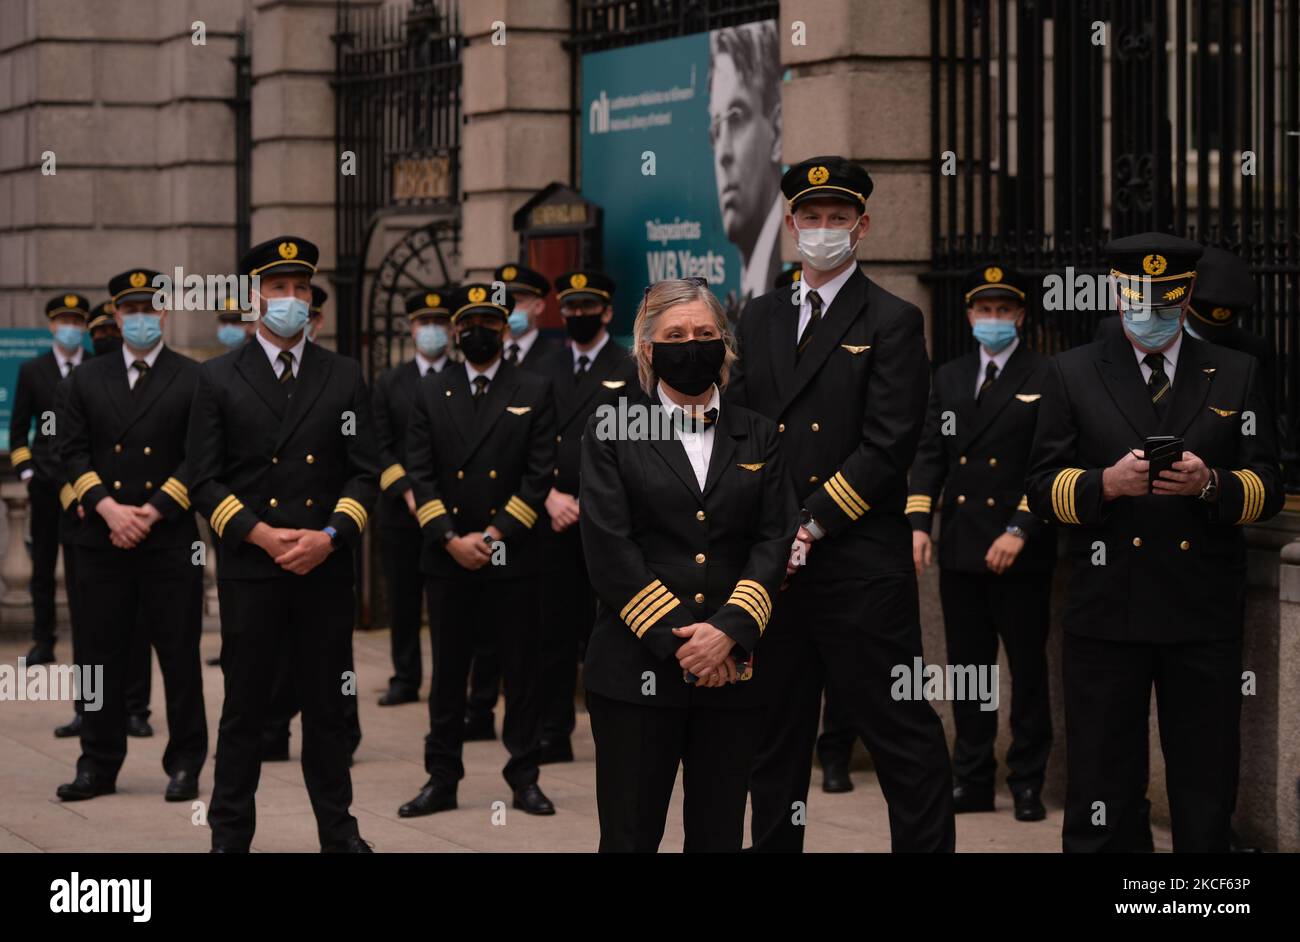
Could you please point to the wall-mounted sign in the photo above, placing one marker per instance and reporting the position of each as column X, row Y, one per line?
column 421, row 178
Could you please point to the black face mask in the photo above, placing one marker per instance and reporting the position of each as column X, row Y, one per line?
column 105, row 345
column 583, row 328
column 480, row 344
column 689, row 367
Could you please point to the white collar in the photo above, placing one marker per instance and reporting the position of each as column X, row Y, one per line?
column 424, row 364
column 593, row 352
column 827, row 291
column 754, row 275
column 67, row 359
column 1000, row 358
column 1170, row 353
column 715, row 401
column 149, row 357
column 273, row 352
column 491, row 372
column 524, row 342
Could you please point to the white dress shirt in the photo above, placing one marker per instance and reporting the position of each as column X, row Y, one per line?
column 525, row 343
column 999, row 358
column 589, row 354
column 755, row 278
column 491, row 372
column 67, row 361
column 132, row 374
column 1170, row 355
column 698, row 445
column 826, row 292
column 424, row 364
column 273, row 352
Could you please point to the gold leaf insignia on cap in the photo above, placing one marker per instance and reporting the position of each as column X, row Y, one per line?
column 1223, row 412
column 509, row 272
column 288, row 250
column 752, row 467
column 818, row 175
column 855, row 350
column 137, row 279
column 477, row 294
column 1173, row 294
column 519, row 410
column 993, row 274
column 1133, row 294
column 797, row 276
column 578, row 281
column 1154, row 264
column 1029, row 397
column 613, row 383
column 431, row 299
column 69, row 300
column 1221, row 313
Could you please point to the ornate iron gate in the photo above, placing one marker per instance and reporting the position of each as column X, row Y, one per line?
column 1061, row 140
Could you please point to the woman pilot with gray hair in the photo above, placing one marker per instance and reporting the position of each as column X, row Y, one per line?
column 687, row 536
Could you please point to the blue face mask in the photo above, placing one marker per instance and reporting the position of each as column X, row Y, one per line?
column 518, row 322
column 286, row 317
column 68, row 336
column 994, row 333
column 231, row 335
column 431, row 340
column 141, row 331
column 1153, row 329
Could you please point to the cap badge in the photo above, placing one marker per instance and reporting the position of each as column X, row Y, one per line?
column 1173, row 294
column 476, row 295
column 818, row 175
column 69, row 300
column 1154, row 264
column 509, row 272
column 796, row 276
column 431, row 300
column 578, row 281
column 137, row 279
column 993, row 274
column 288, row 250
column 1221, row 313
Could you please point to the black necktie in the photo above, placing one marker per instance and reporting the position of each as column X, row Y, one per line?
column 990, row 375
column 286, row 371
column 584, row 362
column 1158, row 383
column 815, row 302
column 480, row 388
column 512, row 353
column 141, row 374
column 695, row 421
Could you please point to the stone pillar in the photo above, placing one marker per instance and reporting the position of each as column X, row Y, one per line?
column 516, row 137
column 16, row 617
column 1287, row 780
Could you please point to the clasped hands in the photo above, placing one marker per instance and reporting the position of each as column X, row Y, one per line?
column 128, row 524
column 799, row 550
column 470, row 550
column 298, row 551
column 1128, row 477
column 707, row 654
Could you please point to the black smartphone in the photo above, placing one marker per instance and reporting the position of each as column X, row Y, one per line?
column 1162, row 451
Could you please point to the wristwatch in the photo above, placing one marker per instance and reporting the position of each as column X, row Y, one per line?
column 1211, row 489
column 449, row 536
column 333, row 535
column 811, row 525
column 1016, row 531
column 487, row 538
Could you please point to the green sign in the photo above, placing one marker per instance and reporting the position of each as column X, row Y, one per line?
column 16, row 345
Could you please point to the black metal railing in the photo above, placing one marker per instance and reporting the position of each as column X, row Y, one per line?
column 1049, row 164
column 608, row 24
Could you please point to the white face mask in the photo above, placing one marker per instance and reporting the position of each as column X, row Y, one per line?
column 824, row 249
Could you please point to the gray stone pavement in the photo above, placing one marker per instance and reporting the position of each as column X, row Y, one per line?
column 388, row 771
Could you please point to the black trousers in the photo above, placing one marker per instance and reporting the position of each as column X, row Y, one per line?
column 835, row 744
column 484, row 676
column 285, row 701
column 399, row 549
column 638, row 751
column 1107, row 706
column 568, row 612
column 139, row 666
column 850, row 635
column 119, row 590
column 978, row 609
column 461, row 608
column 43, row 499
column 315, row 614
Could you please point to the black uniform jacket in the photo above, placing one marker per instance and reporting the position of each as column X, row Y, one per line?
column 304, row 461
column 850, row 416
column 131, row 447
column 662, row 554
column 543, row 349
column 976, row 455
column 1174, row 567
column 611, row 376
column 34, row 399
column 474, row 467
column 394, row 394
column 69, row 521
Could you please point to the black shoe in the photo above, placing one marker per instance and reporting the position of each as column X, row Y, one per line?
column 396, row 696
column 1029, row 807
column 40, row 653
column 353, row 845
column 70, row 729
column 139, row 727
column 835, row 778
column 85, row 786
column 432, row 799
column 967, row 798
column 530, row 800
column 275, row 750
column 184, row 786
column 479, row 728
column 555, row 750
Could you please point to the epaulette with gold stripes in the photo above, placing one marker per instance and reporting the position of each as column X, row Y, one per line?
column 84, row 483
column 1252, row 488
column 224, row 512
column 647, row 607
column 177, row 491
column 353, row 510
column 19, row 455
column 521, row 511
column 753, row 598
column 918, row 504
column 392, row 474
column 849, row 500
column 1063, row 497
column 428, row 510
